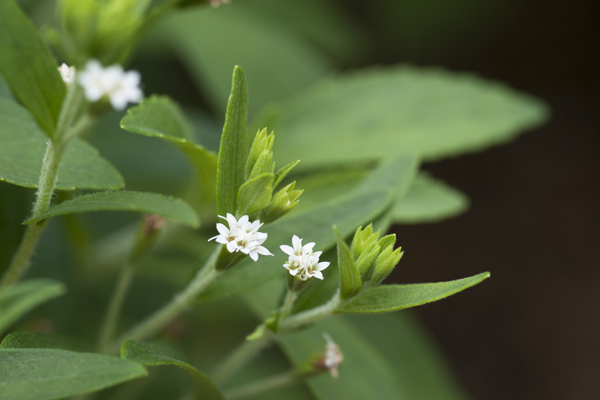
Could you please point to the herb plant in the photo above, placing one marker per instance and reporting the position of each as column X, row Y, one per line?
column 274, row 238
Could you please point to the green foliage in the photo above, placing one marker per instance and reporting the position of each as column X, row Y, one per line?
column 255, row 194
column 350, row 283
column 233, row 151
column 56, row 374
column 22, row 144
column 388, row 298
column 29, row 68
column 371, row 114
column 150, row 203
column 39, row 340
column 17, row 300
column 152, row 355
column 429, row 200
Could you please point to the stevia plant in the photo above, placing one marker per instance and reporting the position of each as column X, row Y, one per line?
column 294, row 208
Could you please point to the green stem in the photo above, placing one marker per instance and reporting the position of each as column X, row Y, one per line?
column 154, row 323
column 270, row 383
column 114, row 308
column 288, row 303
column 311, row 316
column 240, row 357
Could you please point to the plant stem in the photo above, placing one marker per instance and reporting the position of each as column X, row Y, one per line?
column 288, row 303
column 240, row 357
column 270, row 383
column 311, row 316
column 114, row 307
column 154, row 323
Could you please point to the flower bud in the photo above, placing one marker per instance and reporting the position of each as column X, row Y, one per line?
column 260, row 158
column 362, row 240
column 385, row 263
column 283, row 201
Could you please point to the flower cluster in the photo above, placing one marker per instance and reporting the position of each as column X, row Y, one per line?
column 120, row 86
column 243, row 236
column 67, row 74
column 302, row 262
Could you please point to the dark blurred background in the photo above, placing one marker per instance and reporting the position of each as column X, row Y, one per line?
column 532, row 331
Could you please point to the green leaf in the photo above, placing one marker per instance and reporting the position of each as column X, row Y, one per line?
column 234, row 146
column 168, row 207
column 359, row 207
column 20, row 298
column 282, row 172
column 429, row 200
column 159, row 116
column 389, row 298
column 278, row 63
column 255, row 194
column 28, row 67
column 151, row 355
column 350, row 283
column 48, row 374
column 22, row 148
column 39, row 340
column 372, row 114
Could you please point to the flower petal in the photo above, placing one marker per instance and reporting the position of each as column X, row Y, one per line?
column 287, row 249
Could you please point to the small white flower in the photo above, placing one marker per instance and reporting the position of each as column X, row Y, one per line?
column 332, row 356
column 242, row 235
column 120, row 86
column 302, row 262
column 67, row 74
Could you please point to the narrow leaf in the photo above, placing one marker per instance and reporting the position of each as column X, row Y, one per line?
column 429, row 200
column 255, row 194
column 22, row 148
column 18, row 299
column 388, row 298
column 159, row 116
column 150, row 203
column 49, row 374
column 233, row 150
column 282, row 172
column 428, row 111
column 350, row 282
column 151, row 355
column 28, row 67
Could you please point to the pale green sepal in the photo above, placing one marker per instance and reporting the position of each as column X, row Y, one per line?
column 282, row 203
column 362, row 239
column 262, row 142
column 365, row 261
column 350, row 282
column 385, row 263
column 233, row 149
column 152, row 355
column 388, row 240
column 282, row 172
column 255, row 194
column 389, row 298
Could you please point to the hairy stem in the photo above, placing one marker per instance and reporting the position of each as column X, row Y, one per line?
column 270, row 383
column 311, row 316
column 154, row 323
column 240, row 357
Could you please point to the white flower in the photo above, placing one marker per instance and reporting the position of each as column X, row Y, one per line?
column 302, row 262
column 121, row 87
column 332, row 356
column 67, row 74
column 242, row 235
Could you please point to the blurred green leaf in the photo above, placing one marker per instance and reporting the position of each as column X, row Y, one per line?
column 149, row 203
column 20, row 298
column 387, row 298
column 4, row 89
column 151, row 355
column 28, row 67
column 39, row 340
column 233, row 151
column 159, row 116
column 22, row 148
column 371, row 114
column 350, row 282
column 211, row 41
column 255, row 194
column 429, row 200
column 48, row 374
column 361, row 206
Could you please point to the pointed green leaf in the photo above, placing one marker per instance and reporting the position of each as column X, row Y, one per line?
column 22, row 148
column 20, row 298
column 430, row 112
column 28, row 67
column 389, row 298
column 168, row 207
column 233, row 150
column 255, row 194
column 283, row 171
column 159, row 116
column 40, row 340
column 50, row 374
column 350, row 283
column 151, row 355
column 429, row 200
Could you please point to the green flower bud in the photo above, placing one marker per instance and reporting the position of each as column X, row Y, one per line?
column 365, row 261
column 362, row 240
column 260, row 158
column 283, row 201
column 385, row 263
column 296, row 284
column 78, row 18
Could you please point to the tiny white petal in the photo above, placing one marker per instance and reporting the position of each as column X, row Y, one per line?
column 254, row 256
column 287, row 249
column 263, row 250
column 317, row 274
column 222, row 229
